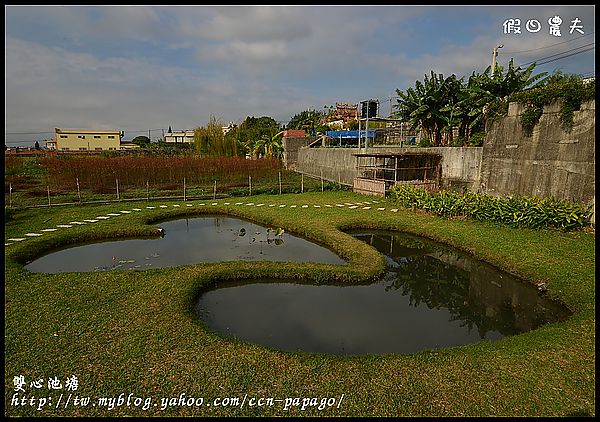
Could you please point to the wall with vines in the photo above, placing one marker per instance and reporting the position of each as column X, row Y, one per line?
column 544, row 146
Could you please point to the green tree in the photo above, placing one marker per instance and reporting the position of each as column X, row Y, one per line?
column 352, row 124
column 209, row 140
column 468, row 109
column 492, row 92
column 423, row 105
column 308, row 120
column 438, row 105
column 251, row 131
column 142, row 141
column 269, row 146
column 517, row 80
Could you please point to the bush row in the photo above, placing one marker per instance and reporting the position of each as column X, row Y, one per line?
column 514, row 211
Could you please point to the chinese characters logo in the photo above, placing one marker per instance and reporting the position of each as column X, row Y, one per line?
column 513, row 26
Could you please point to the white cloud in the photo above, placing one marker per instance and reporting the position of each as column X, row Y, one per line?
column 252, row 24
column 53, row 87
column 134, row 67
column 261, row 53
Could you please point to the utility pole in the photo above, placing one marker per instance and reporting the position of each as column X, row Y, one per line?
column 367, row 128
column 391, row 106
column 494, row 55
column 358, row 114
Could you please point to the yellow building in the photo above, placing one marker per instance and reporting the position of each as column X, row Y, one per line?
column 87, row 140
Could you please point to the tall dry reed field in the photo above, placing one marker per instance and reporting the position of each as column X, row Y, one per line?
column 12, row 165
column 100, row 173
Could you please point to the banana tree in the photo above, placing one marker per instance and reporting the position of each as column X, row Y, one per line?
column 424, row 106
column 269, row 146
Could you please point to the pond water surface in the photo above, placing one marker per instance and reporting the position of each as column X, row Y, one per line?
column 432, row 296
column 187, row 241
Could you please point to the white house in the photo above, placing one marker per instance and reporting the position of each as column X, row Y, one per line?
column 180, row 136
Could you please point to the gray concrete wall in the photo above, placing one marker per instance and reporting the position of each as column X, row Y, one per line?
column 460, row 165
column 552, row 161
column 334, row 164
column 290, row 149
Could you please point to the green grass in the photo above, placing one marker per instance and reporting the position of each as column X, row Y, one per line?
column 135, row 332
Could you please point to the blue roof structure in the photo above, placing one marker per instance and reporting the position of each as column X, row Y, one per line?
column 348, row 134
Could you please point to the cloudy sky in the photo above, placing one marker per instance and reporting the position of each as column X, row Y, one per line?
column 140, row 68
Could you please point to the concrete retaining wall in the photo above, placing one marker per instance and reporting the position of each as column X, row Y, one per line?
column 551, row 161
column 460, row 166
column 290, row 149
column 335, row 164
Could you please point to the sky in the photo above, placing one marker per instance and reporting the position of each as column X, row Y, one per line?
column 147, row 68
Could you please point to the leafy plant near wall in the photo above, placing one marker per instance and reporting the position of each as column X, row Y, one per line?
column 440, row 105
column 477, row 139
column 571, row 89
column 514, row 211
column 531, row 116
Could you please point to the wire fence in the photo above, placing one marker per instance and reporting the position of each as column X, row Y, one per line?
column 25, row 196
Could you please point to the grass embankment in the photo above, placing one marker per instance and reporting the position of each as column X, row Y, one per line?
column 135, row 332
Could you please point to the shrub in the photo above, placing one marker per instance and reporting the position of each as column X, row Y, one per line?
column 476, row 140
column 514, row 211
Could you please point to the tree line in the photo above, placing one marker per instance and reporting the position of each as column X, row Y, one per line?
column 259, row 137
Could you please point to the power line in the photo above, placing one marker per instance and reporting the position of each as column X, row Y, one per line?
column 549, row 46
column 568, row 55
column 557, row 54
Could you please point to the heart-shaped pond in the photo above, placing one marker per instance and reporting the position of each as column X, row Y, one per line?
column 432, row 296
column 187, row 241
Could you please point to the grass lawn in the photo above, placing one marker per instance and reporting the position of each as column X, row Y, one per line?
column 133, row 334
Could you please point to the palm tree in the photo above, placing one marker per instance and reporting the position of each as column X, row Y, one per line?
column 424, row 105
column 438, row 104
column 269, row 146
column 482, row 90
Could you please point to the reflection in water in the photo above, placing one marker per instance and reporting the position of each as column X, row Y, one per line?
column 431, row 297
column 474, row 292
column 187, row 241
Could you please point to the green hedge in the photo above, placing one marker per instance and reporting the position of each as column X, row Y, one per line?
column 514, row 211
